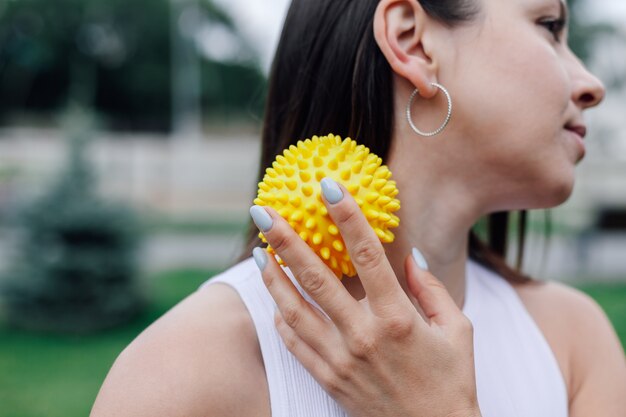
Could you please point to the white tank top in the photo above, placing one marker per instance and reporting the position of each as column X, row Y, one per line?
column 517, row 374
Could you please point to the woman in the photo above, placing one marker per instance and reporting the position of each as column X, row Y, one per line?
column 447, row 328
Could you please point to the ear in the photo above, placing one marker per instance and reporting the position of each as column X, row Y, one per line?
column 400, row 29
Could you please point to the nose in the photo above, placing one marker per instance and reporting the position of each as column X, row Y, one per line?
column 588, row 91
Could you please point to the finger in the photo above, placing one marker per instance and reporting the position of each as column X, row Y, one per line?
column 433, row 297
column 306, row 355
column 312, row 325
column 366, row 251
column 313, row 275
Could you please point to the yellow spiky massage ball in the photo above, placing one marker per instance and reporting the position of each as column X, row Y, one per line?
column 292, row 187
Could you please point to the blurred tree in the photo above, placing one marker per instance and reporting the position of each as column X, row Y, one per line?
column 76, row 267
column 113, row 56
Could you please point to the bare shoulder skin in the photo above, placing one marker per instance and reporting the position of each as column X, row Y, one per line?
column 201, row 358
column 585, row 345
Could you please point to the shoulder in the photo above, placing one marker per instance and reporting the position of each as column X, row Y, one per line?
column 566, row 310
column 199, row 356
column 554, row 302
column 584, row 341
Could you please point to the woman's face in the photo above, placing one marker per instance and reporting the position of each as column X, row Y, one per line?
column 518, row 93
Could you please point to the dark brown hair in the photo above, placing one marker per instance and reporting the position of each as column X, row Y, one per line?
column 329, row 76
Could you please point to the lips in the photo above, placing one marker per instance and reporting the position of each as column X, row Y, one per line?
column 580, row 130
column 578, row 133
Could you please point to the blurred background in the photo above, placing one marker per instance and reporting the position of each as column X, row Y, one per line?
column 129, row 143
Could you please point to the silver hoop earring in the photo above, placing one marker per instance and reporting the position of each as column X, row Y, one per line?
column 445, row 123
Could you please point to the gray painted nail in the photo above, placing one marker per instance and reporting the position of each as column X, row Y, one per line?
column 261, row 218
column 419, row 259
column 260, row 257
column 331, row 190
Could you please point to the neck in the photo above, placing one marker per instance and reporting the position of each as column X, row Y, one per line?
column 436, row 216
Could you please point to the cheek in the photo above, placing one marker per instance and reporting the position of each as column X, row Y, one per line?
column 514, row 92
column 511, row 102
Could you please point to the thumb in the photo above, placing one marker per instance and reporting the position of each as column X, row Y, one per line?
column 431, row 294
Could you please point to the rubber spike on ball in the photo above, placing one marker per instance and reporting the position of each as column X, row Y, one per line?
column 292, row 187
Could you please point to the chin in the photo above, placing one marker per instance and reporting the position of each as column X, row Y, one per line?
column 550, row 192
column 558, row 191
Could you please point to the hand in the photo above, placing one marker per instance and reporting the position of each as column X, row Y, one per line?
column 377, row 356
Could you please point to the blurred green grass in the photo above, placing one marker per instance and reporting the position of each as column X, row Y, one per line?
column 56, row 376
column 59, row 376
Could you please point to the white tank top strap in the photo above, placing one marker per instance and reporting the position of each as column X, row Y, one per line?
column 292, row 390
column 516, row 372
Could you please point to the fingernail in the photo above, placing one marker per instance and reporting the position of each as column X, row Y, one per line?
column 261, row 218
column 260, row 257
column 419, row 259
column 331, row 190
